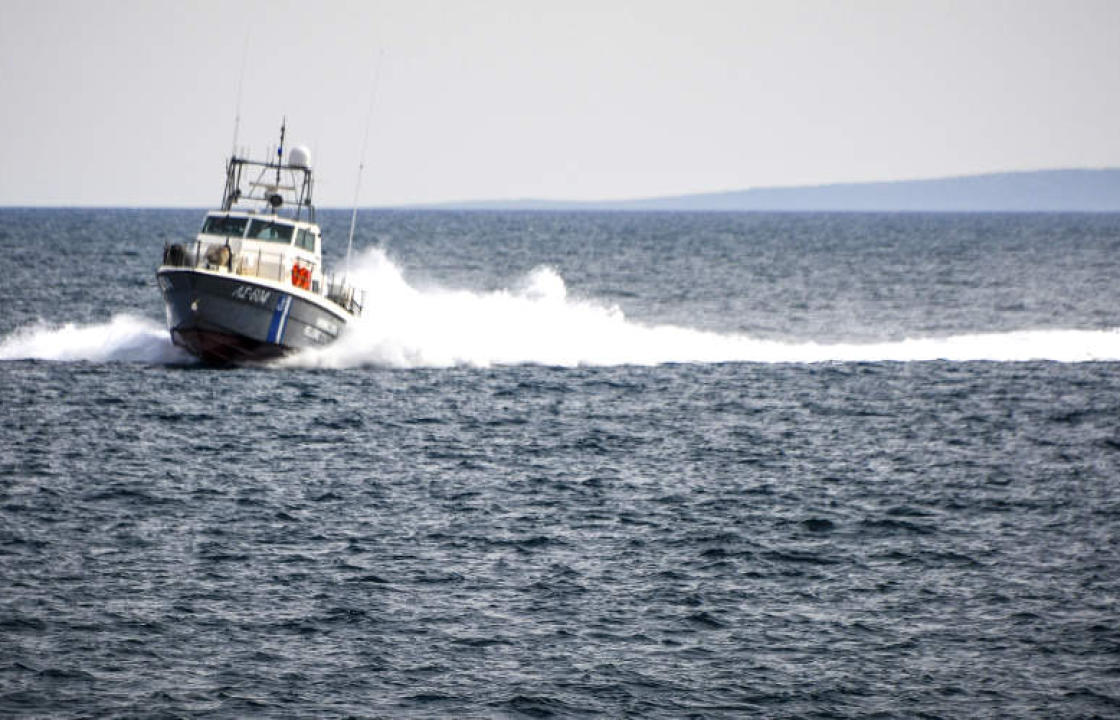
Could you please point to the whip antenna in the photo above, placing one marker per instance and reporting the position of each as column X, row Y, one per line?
column 240, row 80
column 362, row 161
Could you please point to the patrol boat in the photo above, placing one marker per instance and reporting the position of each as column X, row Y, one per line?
column 252, row 287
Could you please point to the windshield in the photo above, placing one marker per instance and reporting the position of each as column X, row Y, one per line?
column 225, row 225
column 305, row 240
column 269, row 230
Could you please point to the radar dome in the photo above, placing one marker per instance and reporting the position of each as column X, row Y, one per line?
column 299, row 156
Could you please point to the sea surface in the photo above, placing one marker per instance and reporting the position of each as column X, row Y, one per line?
column 570, row 465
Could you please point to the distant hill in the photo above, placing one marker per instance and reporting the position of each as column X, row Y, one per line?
column 1038, row 191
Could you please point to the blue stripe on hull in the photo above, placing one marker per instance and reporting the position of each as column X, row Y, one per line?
column 279, row 318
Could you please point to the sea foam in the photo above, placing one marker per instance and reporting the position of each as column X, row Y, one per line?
column 535, row 321
column 125, row 338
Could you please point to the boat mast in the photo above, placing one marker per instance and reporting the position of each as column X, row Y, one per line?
column 280, row 150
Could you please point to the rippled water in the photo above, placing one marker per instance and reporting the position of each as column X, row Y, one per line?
column 574, row 466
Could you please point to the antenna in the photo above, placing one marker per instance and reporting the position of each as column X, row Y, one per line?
column 240, row 80
column 362, row 160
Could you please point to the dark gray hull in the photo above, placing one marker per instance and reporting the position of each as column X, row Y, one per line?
column 230, row 320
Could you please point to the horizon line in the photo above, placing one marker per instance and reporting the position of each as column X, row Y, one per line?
column 461, row 203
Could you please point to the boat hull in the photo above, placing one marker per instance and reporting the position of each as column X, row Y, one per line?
column 226, row 319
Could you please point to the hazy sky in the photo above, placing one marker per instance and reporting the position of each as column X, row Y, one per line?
column 133, row 103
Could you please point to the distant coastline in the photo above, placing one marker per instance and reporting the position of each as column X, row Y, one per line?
column 1037, row 191
column 1072, row 190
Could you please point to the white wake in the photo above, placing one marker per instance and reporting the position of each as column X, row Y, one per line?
column 535, row 321
column 125, row 338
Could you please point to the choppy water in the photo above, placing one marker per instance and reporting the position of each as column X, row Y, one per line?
column 574, row 466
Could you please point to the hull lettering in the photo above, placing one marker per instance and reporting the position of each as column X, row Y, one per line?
column 248, row 293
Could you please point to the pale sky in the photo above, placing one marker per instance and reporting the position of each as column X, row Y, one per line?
column 133, row 103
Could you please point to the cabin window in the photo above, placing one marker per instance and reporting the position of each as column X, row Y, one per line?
column 271, row 231
column 305, row 240
column 225, row 225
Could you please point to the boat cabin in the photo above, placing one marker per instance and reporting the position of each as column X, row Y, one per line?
column 264, row 246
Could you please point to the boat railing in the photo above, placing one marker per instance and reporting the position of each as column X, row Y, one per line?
column 261, row 263
column 344, row 294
